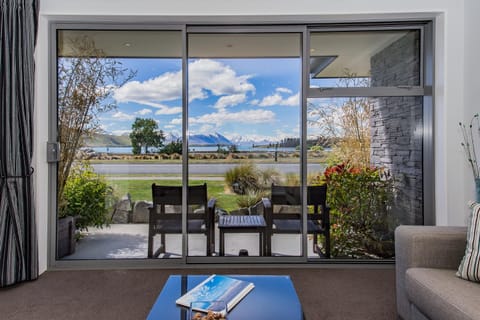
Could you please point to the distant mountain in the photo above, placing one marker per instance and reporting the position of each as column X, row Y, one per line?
column 108, row 140
column 170, row 137
column 248, row 141
column 210, row 139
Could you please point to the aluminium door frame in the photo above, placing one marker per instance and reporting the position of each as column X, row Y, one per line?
column 301, row 30
column 425, row 90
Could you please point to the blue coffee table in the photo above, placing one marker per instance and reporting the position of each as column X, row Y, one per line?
column 273, row 297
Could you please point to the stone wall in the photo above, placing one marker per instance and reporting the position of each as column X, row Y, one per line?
column 397, row 126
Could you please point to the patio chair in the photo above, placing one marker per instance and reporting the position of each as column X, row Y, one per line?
column 165, row 216
column 283, row 214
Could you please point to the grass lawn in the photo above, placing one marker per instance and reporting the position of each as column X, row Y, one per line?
column 141, row 190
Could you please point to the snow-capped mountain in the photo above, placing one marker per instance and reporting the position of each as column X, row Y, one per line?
column 170, row 137
column 210, row 139
column 250, row 140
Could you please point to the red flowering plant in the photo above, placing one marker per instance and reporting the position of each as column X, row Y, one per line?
column 360, row 200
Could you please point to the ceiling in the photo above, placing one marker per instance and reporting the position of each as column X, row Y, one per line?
column 335, row 51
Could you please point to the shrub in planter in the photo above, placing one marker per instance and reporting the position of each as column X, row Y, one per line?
column 360, row 202
column 250, row 198
column 87, row 197
column 247, row 178
column 243, row 178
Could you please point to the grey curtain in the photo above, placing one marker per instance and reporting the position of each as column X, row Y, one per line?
column 18, row 239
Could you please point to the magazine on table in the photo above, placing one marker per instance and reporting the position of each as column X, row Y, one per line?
column 216, row 288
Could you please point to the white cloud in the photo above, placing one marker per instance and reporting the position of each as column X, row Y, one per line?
column 230, row 101
column 165, row 87
column 206, row 77
column 278, row 100
column 244, row 116
column 293, row 101
column 170, row 126
column 206, row 129
column 255, row 102
column 284, row 90
column 169, row 110
column 176, row 121
column 144, row 112
column 122, row 116
column 272, row 100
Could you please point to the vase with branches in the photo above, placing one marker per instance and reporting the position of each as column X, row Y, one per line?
column 471, row 145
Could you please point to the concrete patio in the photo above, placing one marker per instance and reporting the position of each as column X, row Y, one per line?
column 129, row 241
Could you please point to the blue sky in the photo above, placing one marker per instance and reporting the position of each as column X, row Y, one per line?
column 254, row 99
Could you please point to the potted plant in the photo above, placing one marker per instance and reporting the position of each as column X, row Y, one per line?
column 84, row 203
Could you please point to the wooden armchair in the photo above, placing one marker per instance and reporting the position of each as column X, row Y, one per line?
column 166, row 216
column 283, row 215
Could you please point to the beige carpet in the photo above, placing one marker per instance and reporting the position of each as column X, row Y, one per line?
column 338, row 293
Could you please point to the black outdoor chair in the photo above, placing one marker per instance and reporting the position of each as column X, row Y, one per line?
column 283, row 215
column 166, row 215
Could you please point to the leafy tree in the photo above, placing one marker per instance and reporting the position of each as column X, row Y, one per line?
column 145, row 134
column 347, row 123
column 173, row 147
column 86, row 79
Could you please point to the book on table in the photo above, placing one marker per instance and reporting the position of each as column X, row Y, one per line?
column 216, row 288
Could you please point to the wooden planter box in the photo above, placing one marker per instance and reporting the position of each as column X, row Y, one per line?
column 65, row 236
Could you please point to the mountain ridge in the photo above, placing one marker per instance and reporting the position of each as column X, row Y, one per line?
column 108, row 140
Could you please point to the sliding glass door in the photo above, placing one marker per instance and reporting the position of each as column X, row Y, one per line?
column 254, row 143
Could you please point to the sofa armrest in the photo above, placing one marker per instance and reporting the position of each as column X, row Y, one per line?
column 425, row 247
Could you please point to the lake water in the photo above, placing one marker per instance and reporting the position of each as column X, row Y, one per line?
column 245, row 148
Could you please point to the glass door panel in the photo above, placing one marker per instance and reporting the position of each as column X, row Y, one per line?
column 366, row 134
column 119, row 95
column 244, row 135
column 370, row 151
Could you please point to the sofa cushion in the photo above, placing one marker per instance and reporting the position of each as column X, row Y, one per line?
column 469, row 268
column 440, row 294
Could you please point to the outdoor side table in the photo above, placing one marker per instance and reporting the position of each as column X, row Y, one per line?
column 242, row 224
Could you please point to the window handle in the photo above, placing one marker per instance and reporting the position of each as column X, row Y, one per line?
column 53, row 152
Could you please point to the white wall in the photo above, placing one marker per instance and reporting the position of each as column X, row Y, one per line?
column 454, row 20
column 472, row 72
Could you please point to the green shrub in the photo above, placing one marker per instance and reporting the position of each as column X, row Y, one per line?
column 360, row 202
column 247, row 178
column 316, row 148
column 292, row 179
column 243, row 178
column 172, row 147
column 87, row 197
column 250, row 198
column 268, row 177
